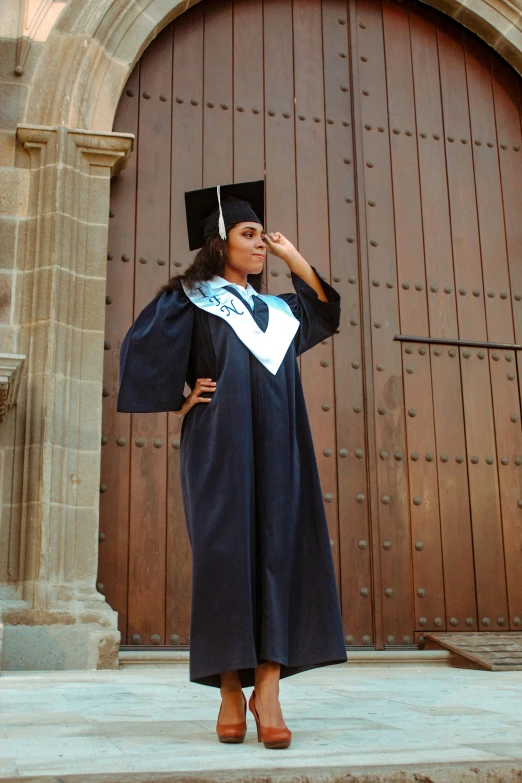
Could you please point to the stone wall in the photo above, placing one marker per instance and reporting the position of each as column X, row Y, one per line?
column 63, row 65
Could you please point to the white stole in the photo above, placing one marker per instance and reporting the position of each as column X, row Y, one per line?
column 269, row 347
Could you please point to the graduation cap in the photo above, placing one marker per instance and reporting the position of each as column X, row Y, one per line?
column 211, row 209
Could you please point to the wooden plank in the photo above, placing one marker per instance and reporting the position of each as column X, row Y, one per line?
column 149, row 431
column 187, row 156
column 313, row 235
column 495, row 272
column 367, row 401
column 423, row 485
column 248, row 116
column 391, row 472
column 432, row 168
column 508, row 111
column 116, row 427
column 476, row 383
column 351, row 453
column 455, row 515
column 281, row 191
column 499, row 316
column 218, row 96
column 248, row 134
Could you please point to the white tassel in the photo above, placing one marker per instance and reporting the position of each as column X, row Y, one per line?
column 221, row 222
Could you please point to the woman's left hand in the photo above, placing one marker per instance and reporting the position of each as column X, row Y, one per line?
column 280, row 246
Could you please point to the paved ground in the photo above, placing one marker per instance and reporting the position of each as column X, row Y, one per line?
column 345, row 719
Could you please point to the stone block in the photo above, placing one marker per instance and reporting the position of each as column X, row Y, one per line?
column 93, row 309
column 4, row 536
column 14, row 184
column 95, row 192
column 83, row 248
column 53, row 529
column 166, row 10
column 37, row 458
column 92, row 356
column 65, row 404
column 88, row 489
column 38, row 351
column 37, row 386
column 43, row 295
column 13, row 98
column 7, row 338
column 71, row 357
column 6, row 285
column 71, row 252
column 131, row 33
column 6, row 482
column 14, row 545
column 108, row 647
column 66, row 287
column 7, row 147
column 8, row 232
column 59, row 647
column 5, row 520
column 6, row 464
column 61, row 57
column 86, row 544
column 9, row 19
column 90, row 411
column 7, row 431
column 71, row 189
column 102, row 110
column 96, row 251
column 19, row 415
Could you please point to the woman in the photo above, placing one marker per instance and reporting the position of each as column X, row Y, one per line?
column 264, row 598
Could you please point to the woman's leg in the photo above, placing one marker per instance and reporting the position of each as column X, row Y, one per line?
column 267, row 695
column 232, row 709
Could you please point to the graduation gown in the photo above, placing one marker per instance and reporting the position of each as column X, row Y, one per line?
column 263, row 583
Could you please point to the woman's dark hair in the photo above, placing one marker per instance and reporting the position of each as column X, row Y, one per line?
column 209, row 261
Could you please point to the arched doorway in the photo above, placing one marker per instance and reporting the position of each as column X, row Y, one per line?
column 390, row 138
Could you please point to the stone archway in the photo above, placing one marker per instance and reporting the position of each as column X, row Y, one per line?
column 94, row 46
column 52, row 615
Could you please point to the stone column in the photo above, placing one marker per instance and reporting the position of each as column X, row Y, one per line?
column 55, row 618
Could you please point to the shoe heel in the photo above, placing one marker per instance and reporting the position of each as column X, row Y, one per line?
column 253, row 710
column 275, row 738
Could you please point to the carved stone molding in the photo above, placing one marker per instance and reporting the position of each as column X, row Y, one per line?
column 10, row 373
column 36, row 20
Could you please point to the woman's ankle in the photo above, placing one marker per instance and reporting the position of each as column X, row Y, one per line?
column 267, row 676
column 230, row 683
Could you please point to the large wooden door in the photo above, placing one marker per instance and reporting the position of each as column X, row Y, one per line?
column 390, row 139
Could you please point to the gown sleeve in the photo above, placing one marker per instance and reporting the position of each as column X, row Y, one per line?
column 155, row 354
column 318, row 319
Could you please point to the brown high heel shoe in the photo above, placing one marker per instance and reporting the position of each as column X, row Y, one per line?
column 232, row 732
column 270, row 737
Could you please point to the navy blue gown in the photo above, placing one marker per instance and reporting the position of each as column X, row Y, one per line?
column 263, row 582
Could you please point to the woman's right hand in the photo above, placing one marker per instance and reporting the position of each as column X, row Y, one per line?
column 202, row 385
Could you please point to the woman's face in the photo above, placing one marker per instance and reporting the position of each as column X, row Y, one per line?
column 246, row 248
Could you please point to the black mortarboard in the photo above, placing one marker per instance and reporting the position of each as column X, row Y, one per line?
column 240, row 202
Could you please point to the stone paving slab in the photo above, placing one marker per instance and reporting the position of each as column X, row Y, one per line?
column 448, row 773
column 349, row 723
